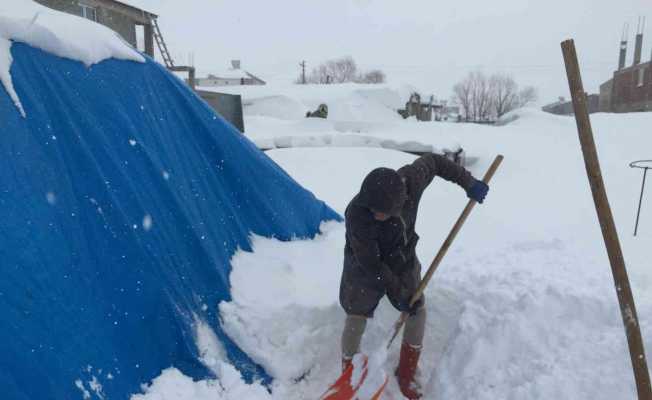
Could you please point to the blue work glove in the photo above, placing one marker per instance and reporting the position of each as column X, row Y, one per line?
column 404, row 305
column 478, row 191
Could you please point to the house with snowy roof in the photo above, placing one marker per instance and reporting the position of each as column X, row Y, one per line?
column 231, row 77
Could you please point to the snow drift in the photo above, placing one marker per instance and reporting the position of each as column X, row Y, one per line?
column 122, row 199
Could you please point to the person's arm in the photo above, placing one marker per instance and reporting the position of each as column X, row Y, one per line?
column 424, row 169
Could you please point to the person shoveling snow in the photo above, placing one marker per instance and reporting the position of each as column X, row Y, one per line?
column 380, row 258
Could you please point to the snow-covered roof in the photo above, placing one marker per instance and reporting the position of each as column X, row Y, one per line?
column 230, row 74
column 58, row 33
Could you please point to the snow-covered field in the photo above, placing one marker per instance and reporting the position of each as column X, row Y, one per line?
column 523, row 306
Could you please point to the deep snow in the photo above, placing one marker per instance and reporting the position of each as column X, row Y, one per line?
column 523, row 305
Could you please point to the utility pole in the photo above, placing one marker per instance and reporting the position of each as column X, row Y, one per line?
column 303, row 72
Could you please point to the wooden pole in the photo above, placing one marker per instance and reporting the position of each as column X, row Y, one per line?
column 609, row 233
column 444, row 248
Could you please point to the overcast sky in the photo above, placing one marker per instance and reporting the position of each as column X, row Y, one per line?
column 427, row 42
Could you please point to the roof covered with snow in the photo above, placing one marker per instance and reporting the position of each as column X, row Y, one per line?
column 230, row 74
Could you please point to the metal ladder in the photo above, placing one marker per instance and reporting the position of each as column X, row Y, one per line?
column 163, row 48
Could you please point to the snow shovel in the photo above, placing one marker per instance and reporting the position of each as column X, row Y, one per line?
column 353, row 383
column 442, row 252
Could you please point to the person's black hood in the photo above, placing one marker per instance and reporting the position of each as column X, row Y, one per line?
column 383, row 190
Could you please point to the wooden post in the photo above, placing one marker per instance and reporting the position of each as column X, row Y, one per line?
column 609, row 233
column 149, row 39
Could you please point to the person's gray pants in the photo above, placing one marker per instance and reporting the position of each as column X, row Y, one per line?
column 354, row 327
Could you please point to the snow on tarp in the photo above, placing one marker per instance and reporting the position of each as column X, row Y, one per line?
column 122, row 198
column 58, row 33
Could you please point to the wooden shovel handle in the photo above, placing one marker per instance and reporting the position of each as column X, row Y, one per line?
column 444, row 248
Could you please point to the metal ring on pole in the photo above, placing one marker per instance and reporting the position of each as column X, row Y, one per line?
column 644, row 165
column 637, row 164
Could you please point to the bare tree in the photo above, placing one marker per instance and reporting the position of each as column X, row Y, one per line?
column 484, row 99
column 462, row 96
column 527, row 95
column 373, row 76
column 504, row 92
column 343, row 70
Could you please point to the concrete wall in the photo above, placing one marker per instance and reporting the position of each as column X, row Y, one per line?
column 121, row 18
column 229, row 106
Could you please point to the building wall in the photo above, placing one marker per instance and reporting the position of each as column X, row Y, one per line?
column 566, row 108
column 605, row 96
column 627, row 95
column 119, row 22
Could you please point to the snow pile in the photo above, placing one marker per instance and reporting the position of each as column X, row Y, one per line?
column 346, row 102
column 173, row 385
column 281, row 107
column 58, row 33
column 281, row 142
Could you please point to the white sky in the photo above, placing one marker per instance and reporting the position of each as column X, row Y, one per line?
column 428, row 43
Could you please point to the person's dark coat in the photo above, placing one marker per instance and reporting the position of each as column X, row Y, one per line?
column 379, row 256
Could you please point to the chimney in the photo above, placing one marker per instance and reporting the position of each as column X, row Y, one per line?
column 638, row 47
column 235, row 64
column 623, row 47
column 623, row 53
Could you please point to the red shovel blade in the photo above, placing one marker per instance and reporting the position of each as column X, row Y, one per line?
column 347, row 385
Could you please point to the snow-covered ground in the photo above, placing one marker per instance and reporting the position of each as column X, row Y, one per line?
column 523, row 306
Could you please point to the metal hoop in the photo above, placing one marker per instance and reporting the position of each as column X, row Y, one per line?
column 634, row 164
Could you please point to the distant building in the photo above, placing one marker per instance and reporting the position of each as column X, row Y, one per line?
column 422, row 111
column 232, row 77
column 565, row 107
column 630, row 88
column 119, row 16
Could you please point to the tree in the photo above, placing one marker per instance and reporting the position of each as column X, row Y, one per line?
column 485, row 99
column 373, row 76
column 528, row 95
column 342, row 70
column 462, row 96
column 504, row 92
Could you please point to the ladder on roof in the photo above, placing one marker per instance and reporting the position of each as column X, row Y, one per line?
column 163, row 48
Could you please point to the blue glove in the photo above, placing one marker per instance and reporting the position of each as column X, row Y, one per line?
column 478, row 191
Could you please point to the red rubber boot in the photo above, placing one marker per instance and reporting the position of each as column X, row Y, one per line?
column 406, row 371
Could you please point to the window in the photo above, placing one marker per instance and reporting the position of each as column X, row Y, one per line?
column 88, row 12
column 641, row 76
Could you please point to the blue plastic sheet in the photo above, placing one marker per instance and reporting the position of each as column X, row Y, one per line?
column 86, row 290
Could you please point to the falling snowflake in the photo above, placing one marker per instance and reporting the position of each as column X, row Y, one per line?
column 147, row 222
column 51, row 198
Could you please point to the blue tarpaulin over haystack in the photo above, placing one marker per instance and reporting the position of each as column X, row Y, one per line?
column 122, row 198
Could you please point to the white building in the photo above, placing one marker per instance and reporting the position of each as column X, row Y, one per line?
column 231, row 77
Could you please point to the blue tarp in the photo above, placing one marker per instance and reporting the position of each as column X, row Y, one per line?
column 86, row 290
